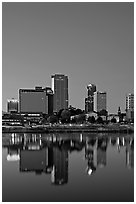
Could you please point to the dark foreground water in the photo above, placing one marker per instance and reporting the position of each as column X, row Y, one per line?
column 67, row 167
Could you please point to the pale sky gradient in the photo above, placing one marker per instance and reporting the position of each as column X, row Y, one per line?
column 89, row 42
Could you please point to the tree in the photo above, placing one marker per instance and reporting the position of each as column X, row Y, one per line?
column 91, row 119
column 59, row 113
column 78, row 111
column 73, row 120
column 81, row 118
column 52, row 119
column 113, row 120
column 99, row 120
column 43, row 121
column 72, row 110
column 65, row 116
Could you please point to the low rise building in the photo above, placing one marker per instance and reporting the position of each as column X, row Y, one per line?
column 12, row 105
column 36, row 101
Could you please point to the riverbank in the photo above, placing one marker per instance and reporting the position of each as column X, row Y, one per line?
column 69, row 128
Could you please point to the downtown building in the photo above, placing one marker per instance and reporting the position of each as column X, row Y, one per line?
column 130, row 107
column 36, row 101
column 60, row 91
column 12, row 117
column 12, row 105
column 89, row 101
column 130, row 102
column 100, row 101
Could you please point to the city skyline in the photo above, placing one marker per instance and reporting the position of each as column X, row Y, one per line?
column 85, row 41
column 59, row 91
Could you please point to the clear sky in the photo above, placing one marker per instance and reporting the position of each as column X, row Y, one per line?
column 89, row 42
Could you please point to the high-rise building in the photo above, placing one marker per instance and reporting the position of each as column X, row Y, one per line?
column 130, row 107
column 60, row 91
column 12, row 105
column 130, row 102
column 38, row 100
column 89, row 101
column 100, row 101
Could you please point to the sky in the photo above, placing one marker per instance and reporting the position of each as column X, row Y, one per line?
column 90, row 42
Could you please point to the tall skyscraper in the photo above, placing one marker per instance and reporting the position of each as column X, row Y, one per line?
column 100, row 101
column 38, row 100
column 89, row 101
column 130, row 107
column 12, row 105
column 60, row 90
column 130, row 101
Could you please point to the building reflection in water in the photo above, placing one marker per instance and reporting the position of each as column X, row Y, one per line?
column 49, row 154
column 59, row 174
column 91, row 155
column 95, row 154
column 101, row 152
column 130, row 153
column 32, row 160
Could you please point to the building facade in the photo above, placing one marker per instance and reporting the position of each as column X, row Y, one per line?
column 130, row 102
column 89, row 101
column 100, row 101
column 49, row 94
column 130, row 107
column 12, row 105
column 60, row 91
column 38, row 100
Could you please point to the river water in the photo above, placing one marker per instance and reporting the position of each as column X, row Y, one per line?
column 67, row 167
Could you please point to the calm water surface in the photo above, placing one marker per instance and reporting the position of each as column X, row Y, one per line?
column 67, row 167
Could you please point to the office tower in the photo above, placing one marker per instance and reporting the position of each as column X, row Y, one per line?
column 100, row 101
column 38, row 100
column 60, row 91
column 130, row 101
column 12, row 105
column 59, row 173
column 130, row 107
column 89, row 101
